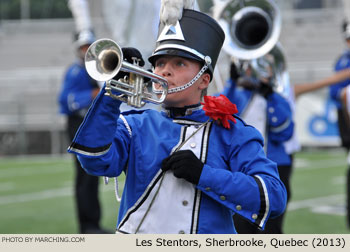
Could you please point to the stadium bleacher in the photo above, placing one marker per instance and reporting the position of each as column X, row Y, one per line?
column 35, row 53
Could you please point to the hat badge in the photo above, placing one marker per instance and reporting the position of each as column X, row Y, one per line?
column 171, row 32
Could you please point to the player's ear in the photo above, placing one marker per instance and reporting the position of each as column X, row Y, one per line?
column 204, row 81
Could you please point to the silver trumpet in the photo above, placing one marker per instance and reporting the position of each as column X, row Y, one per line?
column 104, row 59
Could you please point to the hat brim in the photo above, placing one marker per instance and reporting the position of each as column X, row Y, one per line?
column 172, row 52
column 179, row 53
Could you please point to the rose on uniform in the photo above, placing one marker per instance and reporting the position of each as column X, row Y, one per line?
column 220, row 109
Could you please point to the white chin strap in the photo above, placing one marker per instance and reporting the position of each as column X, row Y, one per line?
column 188, row 84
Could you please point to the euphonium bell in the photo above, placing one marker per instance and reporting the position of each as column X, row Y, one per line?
column 252, row 27
column 104, row 59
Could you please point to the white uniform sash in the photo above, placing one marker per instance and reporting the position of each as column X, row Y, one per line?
column 255, row 113
column 169, row 205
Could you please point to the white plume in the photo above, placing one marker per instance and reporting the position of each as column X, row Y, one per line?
column 171, row 10
column 81, row 14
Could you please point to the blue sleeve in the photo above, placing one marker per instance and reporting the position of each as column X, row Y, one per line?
column 102, row 141
column 254, row 190
column 79, row 100
column 280, row 118
column 229, row 90
column 76, row 93
column 334, row 90
column 63, row 96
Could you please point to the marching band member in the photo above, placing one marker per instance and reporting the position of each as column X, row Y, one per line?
column 251, row 88
column 77, row 93
column 190, row 167
column 339, row 93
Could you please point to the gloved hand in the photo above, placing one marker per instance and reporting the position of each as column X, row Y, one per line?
column 248, row 83
column 234, row 73
column 265, row 89
column 185, row 165
column 129, row 53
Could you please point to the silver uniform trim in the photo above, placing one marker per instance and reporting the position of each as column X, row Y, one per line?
column 139, row 219
column 126, row 124
column 92, row 154
column 116, row 189
column 179, row 121
column 125, row 226
column 281, row 127
column 116, row 184
column 181, row 47
column 136, row 205
column 189, row 111
column 205, row 142
column 72, row 105
column 182, row 134
column 203, row 158
column 264, row 219
column 196, row 212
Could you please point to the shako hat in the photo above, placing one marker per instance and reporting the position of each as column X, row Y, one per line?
column 195, row 36
column 346, row 29
column 85, row 37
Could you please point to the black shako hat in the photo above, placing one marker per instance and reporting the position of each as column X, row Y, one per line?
column 195, row 36
column 346, row 29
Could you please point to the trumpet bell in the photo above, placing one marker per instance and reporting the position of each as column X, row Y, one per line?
column 103, row 59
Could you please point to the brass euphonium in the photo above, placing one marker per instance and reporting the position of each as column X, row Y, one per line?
column 252, row 29
column 103, row 61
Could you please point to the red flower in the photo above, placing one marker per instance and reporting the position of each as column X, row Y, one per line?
column 220, row 109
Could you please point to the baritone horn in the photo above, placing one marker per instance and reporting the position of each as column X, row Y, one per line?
column 104, row 60
column 252, row 29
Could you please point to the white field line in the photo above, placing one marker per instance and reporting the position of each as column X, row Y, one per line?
column 68, row 191
column 314, row 202
column 38, row 159
column 48, row 194
column 7, row 186
column 300, row 164
column 340, row 180
column 303, row 164
column 24, row 172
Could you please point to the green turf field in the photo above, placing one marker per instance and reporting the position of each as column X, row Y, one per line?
column 36, row 195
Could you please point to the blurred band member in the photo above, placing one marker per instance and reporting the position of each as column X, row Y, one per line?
column 77, row 93
column 251, row 87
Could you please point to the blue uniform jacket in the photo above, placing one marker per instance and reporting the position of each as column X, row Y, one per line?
column 236, row 178
column 280, row 123
column 334, row 90
column 76, row 90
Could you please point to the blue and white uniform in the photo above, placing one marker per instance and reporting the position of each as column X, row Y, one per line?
column 75, row 98
column 272, row 117
column 76, row 93
column 334, row 90
column 343, row 63
column 236, row 177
